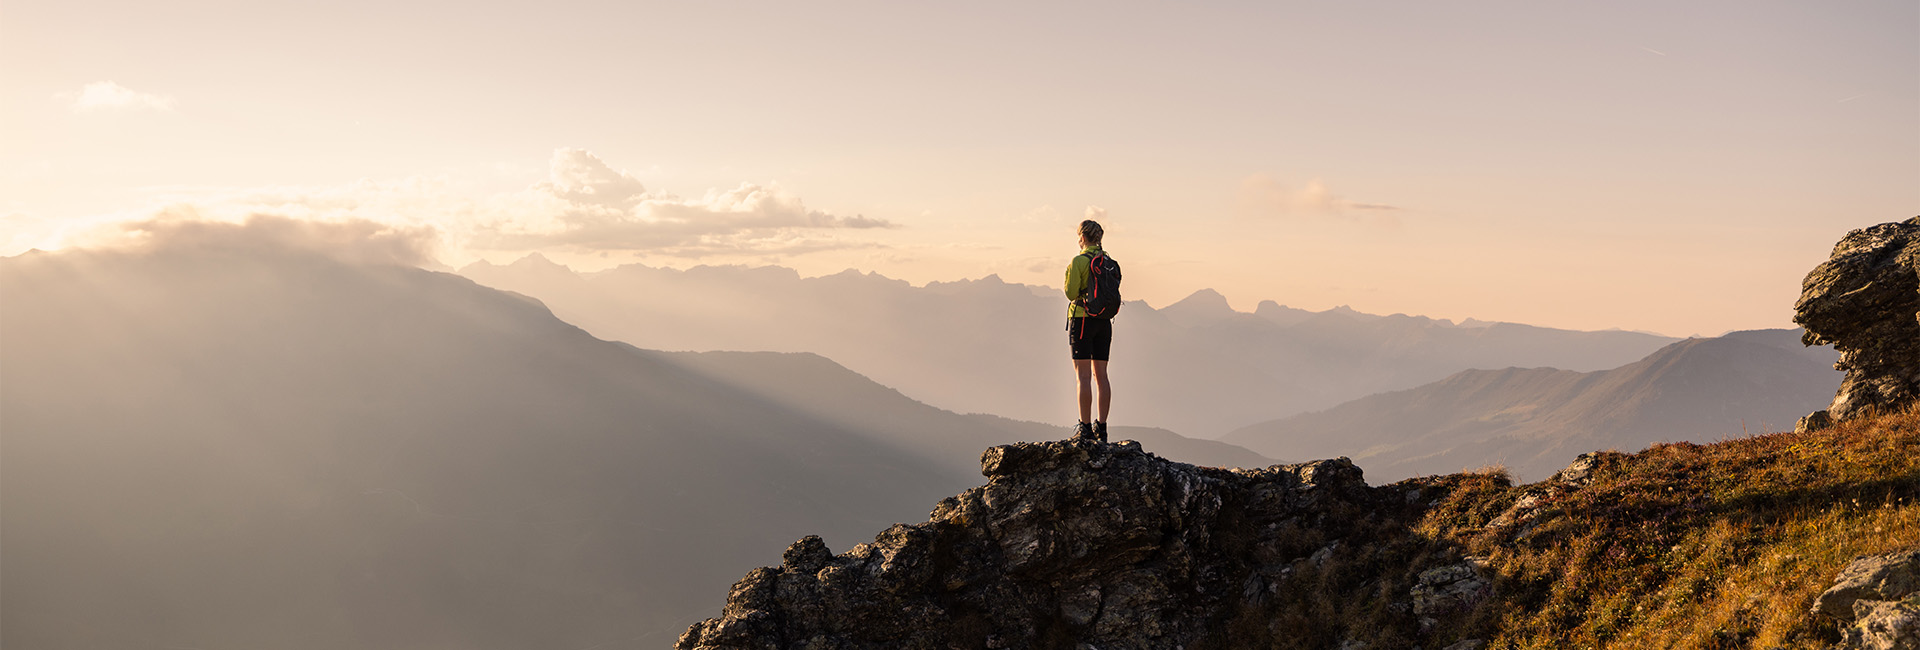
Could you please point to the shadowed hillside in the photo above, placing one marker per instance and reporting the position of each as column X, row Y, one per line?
column 1535, row 420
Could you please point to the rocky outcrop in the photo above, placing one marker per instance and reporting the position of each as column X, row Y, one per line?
column 1450, row 589
column 1878, row 577
column 1876, row 600
column 1865, row 300
column 1079, row 544
column 1519, row 519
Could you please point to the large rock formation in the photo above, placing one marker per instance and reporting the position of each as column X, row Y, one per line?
column 1077, row 544
column 1865, row 300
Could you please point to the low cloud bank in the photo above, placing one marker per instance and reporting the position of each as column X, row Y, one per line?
column 356, row 241
column 584, row 205
column 606, row 209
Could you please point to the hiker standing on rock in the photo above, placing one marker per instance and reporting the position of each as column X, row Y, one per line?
column 1093, row 286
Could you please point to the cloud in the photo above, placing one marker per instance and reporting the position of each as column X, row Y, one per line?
column 578, row 176
column 356, row 241
column 601, row 208
column 1265, row 196
column 1096, row 213
column 583, row 205
column 109, row 96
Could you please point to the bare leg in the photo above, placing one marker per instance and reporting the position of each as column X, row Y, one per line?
column 1106, row 391
column 1083, row 371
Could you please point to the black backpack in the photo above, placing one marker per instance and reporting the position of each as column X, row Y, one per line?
column 1102, row 296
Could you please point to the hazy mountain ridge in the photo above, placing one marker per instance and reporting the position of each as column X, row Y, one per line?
column 192, row 431
column 245, row 444
column 987, row 346
column 1535, row 420
column 284, row 449
column 817, row 386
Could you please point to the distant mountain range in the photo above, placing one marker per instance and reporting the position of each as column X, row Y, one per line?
column 1536, row 420
column 986, row 346
column 253, row 445
column 817, row 386
column 242, row 442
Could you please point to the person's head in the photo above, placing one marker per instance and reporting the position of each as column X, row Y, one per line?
column 1090, row 233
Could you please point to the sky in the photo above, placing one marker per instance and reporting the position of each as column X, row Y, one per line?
column 1673, row 167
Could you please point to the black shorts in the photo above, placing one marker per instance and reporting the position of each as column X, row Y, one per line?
column 1091, row 338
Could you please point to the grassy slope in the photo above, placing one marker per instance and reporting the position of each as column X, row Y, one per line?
column 1690, row 546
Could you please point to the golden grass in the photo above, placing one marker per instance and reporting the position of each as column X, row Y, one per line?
column 1692, row 546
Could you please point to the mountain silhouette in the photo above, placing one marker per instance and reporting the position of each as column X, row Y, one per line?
column 987, row 346
column 822, row 389
column 1199, row 308
column 1536, row 420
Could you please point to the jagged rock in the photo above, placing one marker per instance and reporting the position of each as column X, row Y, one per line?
column 1889, row 577
column 1450, row 589
column 1579, row 472
column 1469, row 644
column 1078, row 544
column 1865, row 300
column 1523, row 509
column 1519, row 516
column 808, row 555
column 1885, row 625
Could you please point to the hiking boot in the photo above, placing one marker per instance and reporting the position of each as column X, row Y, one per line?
column 1100, row 430
column 1083, row 431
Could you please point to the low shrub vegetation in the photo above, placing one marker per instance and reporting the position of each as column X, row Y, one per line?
column 1684, row 545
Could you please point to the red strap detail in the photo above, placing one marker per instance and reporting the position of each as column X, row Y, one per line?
column 1094, row 264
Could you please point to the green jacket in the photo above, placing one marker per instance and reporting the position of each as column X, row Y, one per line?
column 1079, row 275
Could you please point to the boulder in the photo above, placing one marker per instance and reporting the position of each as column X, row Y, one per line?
column 1865, row 301
column 1579, row 472
column 1876, row 600
column 1889, row 577
column 1814, row 421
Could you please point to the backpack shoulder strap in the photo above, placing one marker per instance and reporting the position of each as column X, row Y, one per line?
column 1093, row 263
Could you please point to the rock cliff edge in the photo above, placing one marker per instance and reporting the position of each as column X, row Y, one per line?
column 1076, row 544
